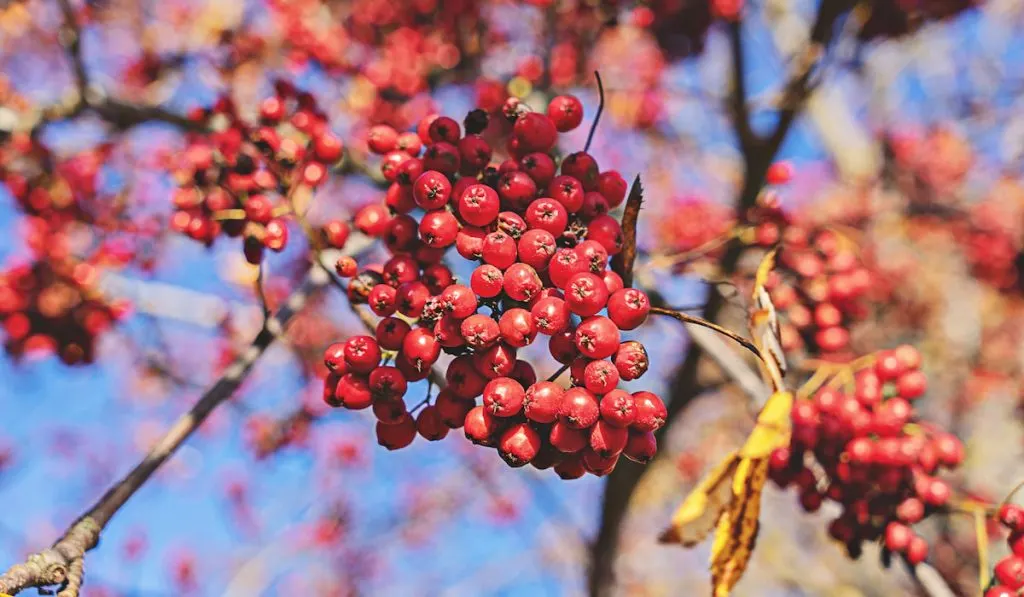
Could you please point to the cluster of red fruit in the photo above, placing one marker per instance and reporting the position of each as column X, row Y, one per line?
column 1008, row 577
column 51, row 306
column 820, row 280
column 543, row 240
column 865, row 450
column 234, row 179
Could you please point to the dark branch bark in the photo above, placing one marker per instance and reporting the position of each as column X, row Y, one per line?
column 758, row 154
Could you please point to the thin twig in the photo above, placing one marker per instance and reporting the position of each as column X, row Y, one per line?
column 558, row 373
column 600, row 109
column 687, row 318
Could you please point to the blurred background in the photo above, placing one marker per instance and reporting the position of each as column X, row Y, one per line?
column 903, row 127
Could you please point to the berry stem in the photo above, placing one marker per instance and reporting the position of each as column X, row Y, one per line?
column 558, row 373
column 600, row 109
column 687, row 318
column 981, row 535
column 229, row 214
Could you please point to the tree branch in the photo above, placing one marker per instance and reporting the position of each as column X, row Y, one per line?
column 685, row 387
column 738, row 98
column 61, row 564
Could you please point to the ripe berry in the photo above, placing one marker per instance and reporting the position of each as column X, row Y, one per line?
column 430, row 425
column 570, row 468
column 541, row 402
column 519, row 444
column 551, row 315
column 517, row 189
column 917, row 551
column 1012, row 517
column 398, row 435
column 521, row 282
column 650, row 411
column 327, row 148
column 497, row 361
column 641, row 446
column 459, row 300
column 383, row 299
column 353, row 392
column 628, row 308
column 387, row 383
column 597, row 337
column 563, row 265
column 391, row 332
column 912, row 384
column 517, row 327
column 487, row 281
column 439, row 228
column 539, row 166
column 361, row 354
column 606, row 231
column 547, row 214
column 480, row 331
column 421, row 348
column 382, row 139
column 444, row 129
column 431, row 190
column 481, row 427
column 536, row 247
column 1000, row 591
column 607, row 440
column 1010, row 572
column 618, row 408
column 566, row 438
column 479, row 205
column 631, row 360
column 535, row 131
column 566, row 112
column 334, row 358
column 585, row 294
column 598, row 465
column 583, row 167
column 499, row 250
column 568, row 191
column 503, row 397
column 910, row 510
column 600, row 377
column 452, row 409
column 463, row 378
column 611, row 184
column 897, row 536
column 579, row 408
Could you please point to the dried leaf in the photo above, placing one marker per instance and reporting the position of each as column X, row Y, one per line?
column 700, row 511
column 772, row 429
column 737, row 529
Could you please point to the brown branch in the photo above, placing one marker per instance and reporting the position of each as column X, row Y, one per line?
column 61, row 564
column 70, row 36
column 687, row 318
column 685, row 387
column 738, row 98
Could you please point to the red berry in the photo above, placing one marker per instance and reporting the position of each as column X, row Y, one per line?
column 481, row 427
column 585, row 294
column 519, row 444
column 551, row 315
column 353, row 392
column 566, row 112
column 597, row 337
column 571, row 468
column 593, row 255
column 597, row 464
column 618, row 408
column 463, row 378
column 779, row 173
column 421, row 348
column 431, row 190
column 607, row 231
column 536, row 247
column 917, row 551
column 452, row 409
column 327, row 148
column 912, row 384
column 607, row 440
column 641, row 446
column 1010, row 572
column 568, row 191
column 562, row 346
column 474, row 153
column 517, row 189
column 566, row 438
column 521, row 282
column 362, row 354
column 487, row 281
column 583, row 167
column 479, row 205
column 459, row 300
column 910, row 510
column 439, row 228
column 579, row 408
column 535, row 132
column 542, row 401
column 547, row 214
column 499, row 250
column 1000, row 591
column 480, row 331
column 517, row 328
column 611, row 184
column 391, row 332
column 382, row 139
column 1012, row 517
column 650, row 411
column 539, row 166
column 600, row 377
column 444, row 129
column 629, row 308
column 430, row 425
column 387, row 383
column 897, row 536
column 631, row 360
column 497, row 361
column 334, row 358
column 398, row 435
column 565, row 264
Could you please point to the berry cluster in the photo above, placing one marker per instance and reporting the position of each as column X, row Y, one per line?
column 865, row 451
column 1008, row 575
column 234, row 180
column 541, row 240
column 52, row 306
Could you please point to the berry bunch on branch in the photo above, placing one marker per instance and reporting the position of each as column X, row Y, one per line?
column 535, row 238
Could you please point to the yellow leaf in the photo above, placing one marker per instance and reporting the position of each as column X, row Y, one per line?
column 699, row 512
column 737, row 529
column 772, row 429
column 764, row 324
